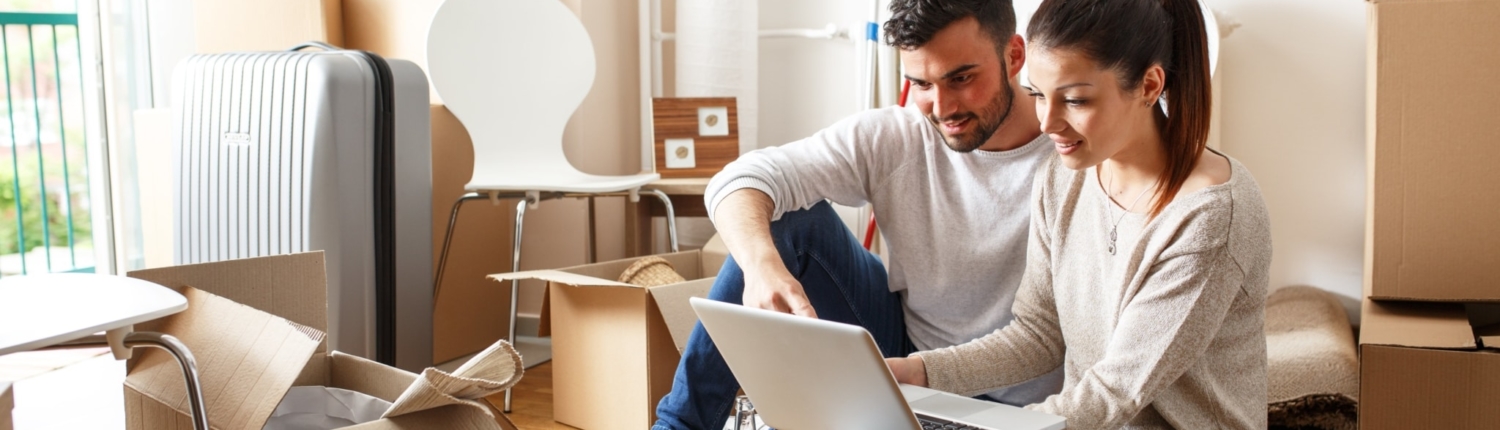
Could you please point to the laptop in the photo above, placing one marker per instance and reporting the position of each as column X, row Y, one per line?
column 804, row 373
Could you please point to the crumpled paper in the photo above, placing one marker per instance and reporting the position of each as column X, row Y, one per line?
column 491, row 371
column 319, row 408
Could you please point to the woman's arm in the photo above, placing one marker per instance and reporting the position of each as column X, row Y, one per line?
column 1162, row 332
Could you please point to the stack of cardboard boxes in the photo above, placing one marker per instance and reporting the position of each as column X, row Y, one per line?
column 1432, row 248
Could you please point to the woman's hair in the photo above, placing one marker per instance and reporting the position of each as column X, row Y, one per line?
column 1128, row 37
column 914, row 22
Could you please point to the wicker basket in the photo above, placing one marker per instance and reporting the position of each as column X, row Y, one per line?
column 650, row 272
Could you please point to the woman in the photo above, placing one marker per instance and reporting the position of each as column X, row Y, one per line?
column 1148, row 258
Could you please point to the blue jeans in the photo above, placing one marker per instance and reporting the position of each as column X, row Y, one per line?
column 844, row 282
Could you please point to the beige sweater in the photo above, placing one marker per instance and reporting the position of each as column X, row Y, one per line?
column 1166, row 333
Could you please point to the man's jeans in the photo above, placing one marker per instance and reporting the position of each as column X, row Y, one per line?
column 844, row 282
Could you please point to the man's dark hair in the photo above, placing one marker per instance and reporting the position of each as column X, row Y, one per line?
column 914, row 22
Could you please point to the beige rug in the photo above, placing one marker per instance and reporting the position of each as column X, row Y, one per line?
column 1312, row 364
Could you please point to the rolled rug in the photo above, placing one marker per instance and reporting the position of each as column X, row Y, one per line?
column 1311, row 361
column 491, row 371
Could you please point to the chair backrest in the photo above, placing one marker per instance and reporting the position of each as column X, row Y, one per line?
column 513, row 72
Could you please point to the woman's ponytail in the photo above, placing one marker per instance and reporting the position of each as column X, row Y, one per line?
column 1188, row 95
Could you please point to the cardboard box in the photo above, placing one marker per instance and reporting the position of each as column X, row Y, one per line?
column 255, row 327
column 265, row 25
column 615, row 346
column 392, row 29
column 1421, row 367
column 1432, row 233
column 6, row 404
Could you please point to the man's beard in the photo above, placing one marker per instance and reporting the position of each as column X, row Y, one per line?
column 987, row 120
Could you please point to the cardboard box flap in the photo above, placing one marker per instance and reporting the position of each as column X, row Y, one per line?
column 1485, row 317
column 1416, row 324
column 246, row 358
column 672, row 301
column 713, row 255
column 689, row 264
column 293, row 286
column 560, row 276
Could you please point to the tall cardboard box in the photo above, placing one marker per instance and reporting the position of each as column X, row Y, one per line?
column 255, row 327
column 1433, row 232
column 469, row 313
column 615, row 346
column 265, row 25
column 1421, row 368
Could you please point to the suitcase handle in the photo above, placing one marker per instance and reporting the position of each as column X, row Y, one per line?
column 315, row 44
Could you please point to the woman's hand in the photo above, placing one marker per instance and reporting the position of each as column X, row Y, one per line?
column 908, row 370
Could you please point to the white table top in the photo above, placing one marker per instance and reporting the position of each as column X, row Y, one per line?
column 37, row 311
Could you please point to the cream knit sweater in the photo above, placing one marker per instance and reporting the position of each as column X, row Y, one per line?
column 1166, row 333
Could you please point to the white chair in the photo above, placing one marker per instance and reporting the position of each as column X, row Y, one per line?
column 513, row 72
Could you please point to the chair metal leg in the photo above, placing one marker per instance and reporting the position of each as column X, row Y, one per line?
column 189, row 369
column 437, row 281
column 593, row 243
column 515, row 284
column 671, row 217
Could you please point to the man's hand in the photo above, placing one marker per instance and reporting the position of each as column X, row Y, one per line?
column 908, row 370
column 777, row 291
column 744, row 220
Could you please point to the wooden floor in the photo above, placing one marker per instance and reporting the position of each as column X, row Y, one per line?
column 531, row 400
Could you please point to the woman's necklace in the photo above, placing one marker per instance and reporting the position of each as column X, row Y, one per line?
column 1108, row 202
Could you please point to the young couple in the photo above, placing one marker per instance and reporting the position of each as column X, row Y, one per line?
column 1066, row 243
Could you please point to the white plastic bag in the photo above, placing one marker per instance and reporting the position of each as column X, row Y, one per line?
column 324, row 408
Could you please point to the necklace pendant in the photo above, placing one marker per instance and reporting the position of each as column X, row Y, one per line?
column 1111, row 248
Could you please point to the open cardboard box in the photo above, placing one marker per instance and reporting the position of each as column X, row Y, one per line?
column 1428, row 365
column 1430, row 233
column 256, row 328
column 615, row 346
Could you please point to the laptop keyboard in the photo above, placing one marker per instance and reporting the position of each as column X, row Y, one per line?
column 931, row 423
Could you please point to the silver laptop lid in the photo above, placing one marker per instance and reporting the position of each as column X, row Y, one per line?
column 804, row 373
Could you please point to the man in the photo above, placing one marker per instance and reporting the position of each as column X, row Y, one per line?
column 949, row 180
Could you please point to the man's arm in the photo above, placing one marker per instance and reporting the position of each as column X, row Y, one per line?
column 744, row 221
column 841, row 163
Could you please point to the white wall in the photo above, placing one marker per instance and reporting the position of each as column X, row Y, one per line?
column 1294, row 113
column 805, row 84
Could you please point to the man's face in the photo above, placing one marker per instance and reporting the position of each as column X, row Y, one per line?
column 961, row 83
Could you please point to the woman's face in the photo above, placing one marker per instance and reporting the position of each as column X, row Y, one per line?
column 1085, row 110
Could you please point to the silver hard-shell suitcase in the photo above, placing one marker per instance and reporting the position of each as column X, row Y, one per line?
column 296, row 151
